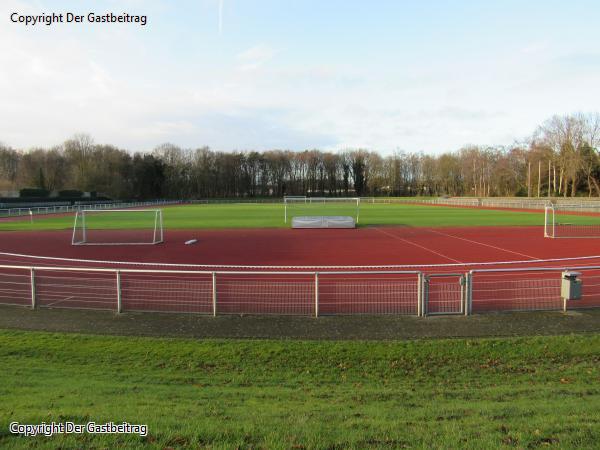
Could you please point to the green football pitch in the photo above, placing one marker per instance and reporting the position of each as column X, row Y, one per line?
column 271, row 215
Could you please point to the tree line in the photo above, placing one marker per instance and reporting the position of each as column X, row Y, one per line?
column 560, row 159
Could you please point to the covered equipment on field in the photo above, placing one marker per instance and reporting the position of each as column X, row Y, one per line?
column 323, row 222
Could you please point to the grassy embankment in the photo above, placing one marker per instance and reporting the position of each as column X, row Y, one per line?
column 524, row 392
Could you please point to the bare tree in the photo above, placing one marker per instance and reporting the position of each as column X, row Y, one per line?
column 79, row 150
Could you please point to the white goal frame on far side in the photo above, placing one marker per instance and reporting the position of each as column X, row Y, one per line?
column 321, row 200
column 560, row 221
column 126, row 236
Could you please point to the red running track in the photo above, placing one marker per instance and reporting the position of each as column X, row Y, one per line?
column 430, row 250
column 465, row 247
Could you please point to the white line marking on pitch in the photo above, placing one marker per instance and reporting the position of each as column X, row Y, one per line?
column 417, row 245
column 482, row 243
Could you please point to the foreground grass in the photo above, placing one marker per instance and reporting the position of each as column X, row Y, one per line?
column 244, row 215
column 524, row 392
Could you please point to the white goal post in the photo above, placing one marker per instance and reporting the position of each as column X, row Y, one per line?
column 332, row 207
column 118, row 227
column 549, row 225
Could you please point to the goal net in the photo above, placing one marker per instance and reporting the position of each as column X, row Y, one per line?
column 118, row 227
column 322, row 212
column 572, row 221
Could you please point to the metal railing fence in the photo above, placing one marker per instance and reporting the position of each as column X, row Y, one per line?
column 63, row 209
column 528, row 289
column 306, row 293
column 581, row 205
column 297, row 292
column 589, row 205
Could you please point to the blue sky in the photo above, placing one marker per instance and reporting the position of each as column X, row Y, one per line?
column 426, row 76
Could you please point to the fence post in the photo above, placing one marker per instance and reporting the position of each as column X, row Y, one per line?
column 316, row 294
column 468, row 293
column 420, row 294
column 463, row 295
column 214, row 293
column 119, row 299
column 33, row 296
column 425, row 295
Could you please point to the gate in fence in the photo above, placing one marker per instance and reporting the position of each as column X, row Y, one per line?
column 444, row 294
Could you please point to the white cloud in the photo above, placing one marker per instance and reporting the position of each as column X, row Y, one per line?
column 535, row 47
column 127, row 87
column 255, row 57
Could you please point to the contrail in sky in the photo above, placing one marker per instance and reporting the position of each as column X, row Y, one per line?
column 220, row 16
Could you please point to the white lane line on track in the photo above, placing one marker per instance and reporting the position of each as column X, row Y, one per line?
column 93, row 263
column 8, row 262
column 484, row 244
column 417, row 245
column 59, row 301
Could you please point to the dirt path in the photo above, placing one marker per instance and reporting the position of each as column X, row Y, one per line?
column 284, row 327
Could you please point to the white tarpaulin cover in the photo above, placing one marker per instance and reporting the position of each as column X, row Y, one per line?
column 323, row 222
